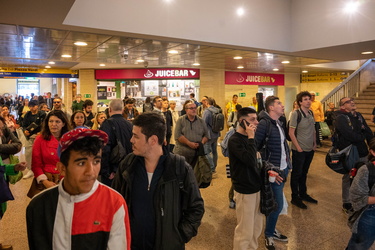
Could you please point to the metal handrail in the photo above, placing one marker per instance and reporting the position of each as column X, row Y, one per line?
column 348, row 88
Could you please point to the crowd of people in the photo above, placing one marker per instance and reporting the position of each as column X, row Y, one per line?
column 78, row 154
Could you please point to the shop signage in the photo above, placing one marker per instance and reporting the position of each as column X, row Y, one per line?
column 242, row 95
column 173, row 73
column 87, row 95
column 245, row 78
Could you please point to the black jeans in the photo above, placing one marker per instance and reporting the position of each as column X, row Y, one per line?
column 301, row 163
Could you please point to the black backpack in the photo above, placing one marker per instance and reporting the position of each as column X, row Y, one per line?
column 218, row 121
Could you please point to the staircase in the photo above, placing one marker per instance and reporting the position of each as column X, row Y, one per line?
column 366, row 102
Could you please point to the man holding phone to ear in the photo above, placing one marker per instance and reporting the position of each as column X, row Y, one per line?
column 246, row 181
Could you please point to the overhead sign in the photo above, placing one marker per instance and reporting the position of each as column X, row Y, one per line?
column 324, row 77
column 242, row 95
column 245, row 78
column 173, row 73
column 39, row 75
column 10, row 72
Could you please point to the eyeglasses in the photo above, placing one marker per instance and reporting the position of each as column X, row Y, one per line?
column 56, row 102
column 192, row 108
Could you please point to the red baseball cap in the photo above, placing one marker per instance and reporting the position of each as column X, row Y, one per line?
column 79, row 133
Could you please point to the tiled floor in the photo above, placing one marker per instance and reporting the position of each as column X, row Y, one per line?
column 321, row 226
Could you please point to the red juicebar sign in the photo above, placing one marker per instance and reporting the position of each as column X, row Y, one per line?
column 173, row 73
column 245, row 78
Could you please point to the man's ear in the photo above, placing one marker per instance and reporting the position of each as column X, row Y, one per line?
column 61, row 167
column 153, row 139
column 372, row 152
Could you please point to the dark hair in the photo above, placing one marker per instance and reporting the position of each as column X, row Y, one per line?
column 72, row 123
column 156, row 97
column 270, row 100
column 151, row 123
column 192, row 95
column 210, row 101
column 371, row 145
column 244, row 112
column 87, row 145
column 5, row 106
column 129, row 101
column 301, row 95
column 234, row 96
column 238, row 107
column 46, row 133
column 33, row 103
column 88, row 102
column 148, row 99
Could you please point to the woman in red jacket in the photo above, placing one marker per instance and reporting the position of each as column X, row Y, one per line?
column 45, row 148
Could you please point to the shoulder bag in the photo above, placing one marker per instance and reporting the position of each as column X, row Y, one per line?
column 118, row 152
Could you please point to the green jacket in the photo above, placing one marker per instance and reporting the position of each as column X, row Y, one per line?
column 9, row 170
column 77, row 105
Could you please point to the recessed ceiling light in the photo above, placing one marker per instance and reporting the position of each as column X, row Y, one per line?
column 351, row 7
column 66, row 56
column 196, row 64
column 275, row 69
column 140, row 60
column 240, row 67
column 47, row 67
column 173, row 52
column 367, row 52
column 102, row 65
column 237, row 57
column 304, row 71
column 285, row 62
column 51, row 62
column 80, row 43
column 240, row 11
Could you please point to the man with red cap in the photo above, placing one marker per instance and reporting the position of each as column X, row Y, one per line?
column 79, row 213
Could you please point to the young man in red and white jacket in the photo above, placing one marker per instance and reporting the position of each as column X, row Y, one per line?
column 79, row 213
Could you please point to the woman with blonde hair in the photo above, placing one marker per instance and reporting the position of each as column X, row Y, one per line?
column 98, row 120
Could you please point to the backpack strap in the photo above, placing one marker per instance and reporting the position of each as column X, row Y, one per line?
column 179, row 162
column 371, row 174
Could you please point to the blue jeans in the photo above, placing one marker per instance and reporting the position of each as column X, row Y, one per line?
column 365, row 236
column 210, row 148
column 301, row 163
column 271, row 219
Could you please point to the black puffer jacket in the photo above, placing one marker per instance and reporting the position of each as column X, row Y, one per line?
column 178, row 214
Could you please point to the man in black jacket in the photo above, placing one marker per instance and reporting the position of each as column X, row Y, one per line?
column 246, row 181
column 31, row 125
column 118, row 130
column 160, row 188
column 351, row 129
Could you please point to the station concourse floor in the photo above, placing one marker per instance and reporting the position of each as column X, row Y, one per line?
column 321, row 226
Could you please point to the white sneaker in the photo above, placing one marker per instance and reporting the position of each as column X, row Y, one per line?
column 28, row 175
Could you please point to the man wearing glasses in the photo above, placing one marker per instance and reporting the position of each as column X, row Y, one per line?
column 57, row 104
column 350, row 129
column 191, row 132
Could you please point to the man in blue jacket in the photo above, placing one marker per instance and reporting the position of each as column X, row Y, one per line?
column 271, row 142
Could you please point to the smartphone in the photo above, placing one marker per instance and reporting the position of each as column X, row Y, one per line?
column 243, row 125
